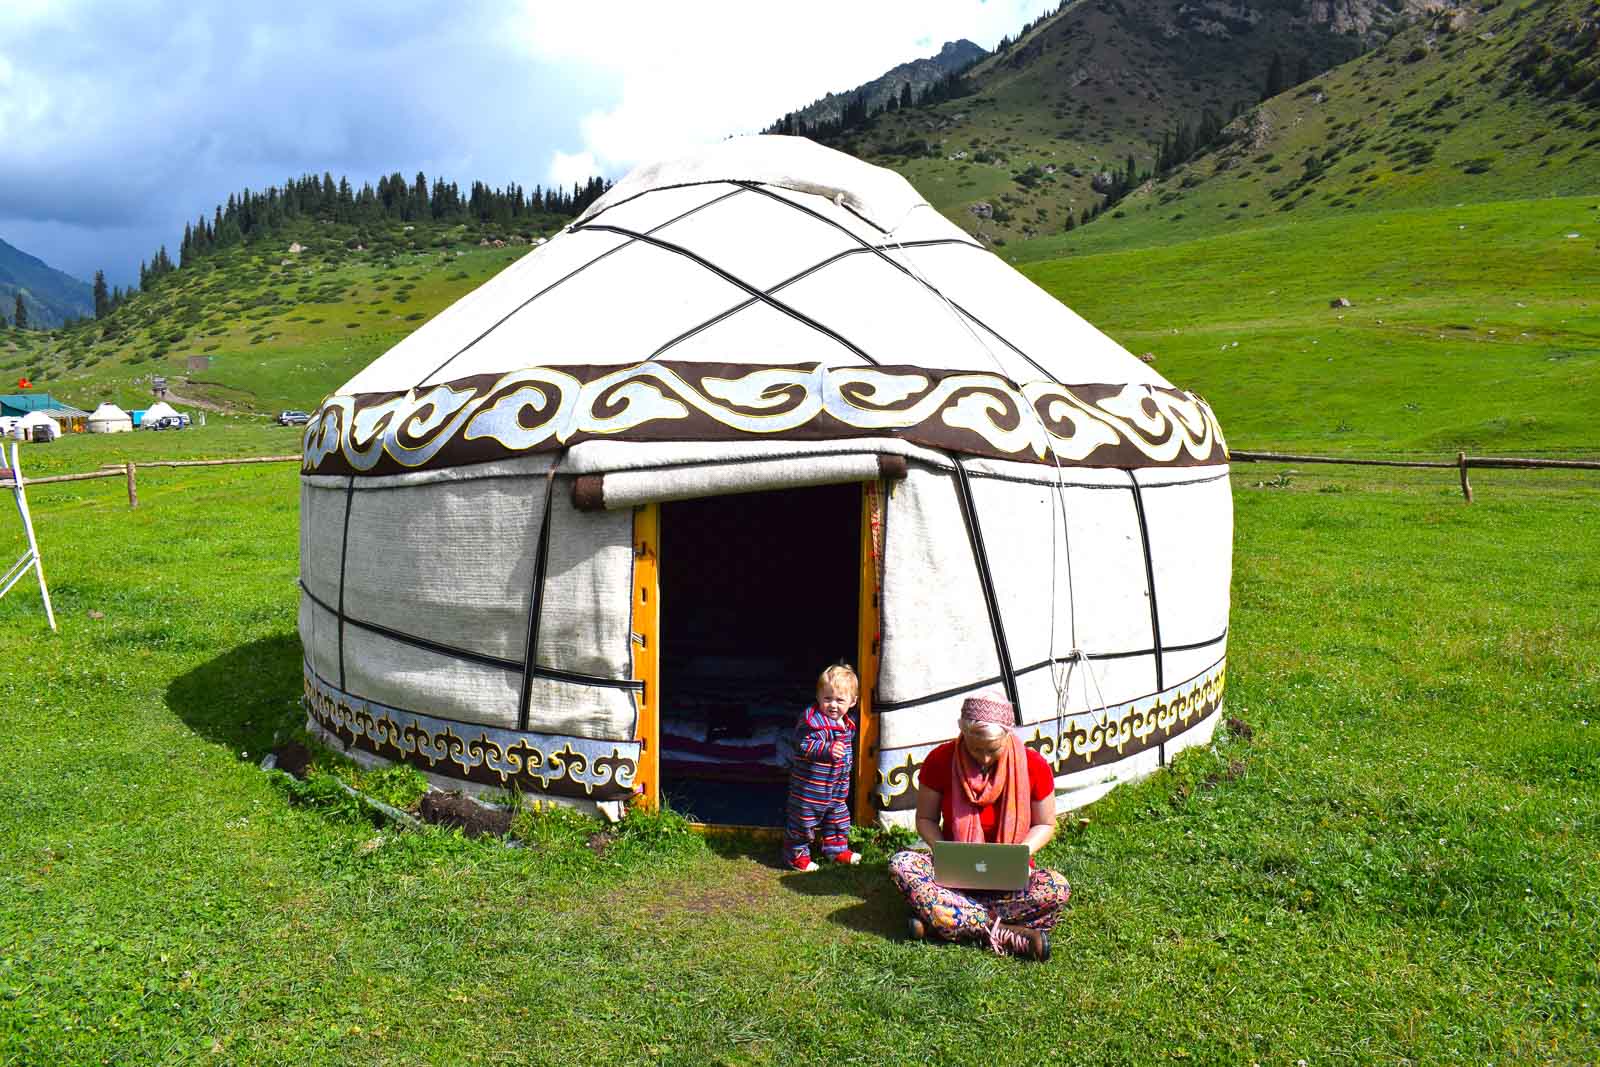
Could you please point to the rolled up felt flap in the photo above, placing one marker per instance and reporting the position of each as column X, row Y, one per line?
column 626, row 489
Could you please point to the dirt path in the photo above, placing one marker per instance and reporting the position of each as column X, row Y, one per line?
column 208, row 405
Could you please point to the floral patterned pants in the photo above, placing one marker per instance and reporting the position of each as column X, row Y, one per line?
column 966, row 914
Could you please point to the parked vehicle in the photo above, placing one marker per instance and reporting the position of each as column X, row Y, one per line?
column 293, row 418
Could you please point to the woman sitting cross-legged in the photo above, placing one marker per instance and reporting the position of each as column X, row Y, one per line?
column 984, row 786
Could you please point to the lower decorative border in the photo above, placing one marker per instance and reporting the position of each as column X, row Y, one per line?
column 1086, row 740
column 550, row 763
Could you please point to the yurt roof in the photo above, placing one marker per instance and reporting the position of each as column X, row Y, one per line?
column 37, row 418
column 766, row 286
column 159, row 410
column 108, row 411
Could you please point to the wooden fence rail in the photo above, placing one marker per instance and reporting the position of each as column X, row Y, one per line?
column 128, row 469
column 1463, row 463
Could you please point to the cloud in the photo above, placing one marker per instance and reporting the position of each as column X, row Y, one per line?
column 696, row 73
column 122, row 121
column 131, row 119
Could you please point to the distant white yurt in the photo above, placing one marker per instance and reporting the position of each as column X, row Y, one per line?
column 108, row 418
column 37, row 427
column 156, row 412
column 592, row 532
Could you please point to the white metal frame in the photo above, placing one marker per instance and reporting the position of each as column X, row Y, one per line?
column 29, row 558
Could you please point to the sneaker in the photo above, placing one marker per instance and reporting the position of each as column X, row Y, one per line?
column 803, row 863
column 917, row 929
column 1023, row 941
column 848, row 858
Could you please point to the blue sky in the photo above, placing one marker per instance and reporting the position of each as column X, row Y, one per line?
column 121, row 121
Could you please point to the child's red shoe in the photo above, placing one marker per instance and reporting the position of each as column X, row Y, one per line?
column 803, row 863
column 848, row 858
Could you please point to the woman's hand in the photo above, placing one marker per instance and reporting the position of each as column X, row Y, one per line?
column 1044, row 824
column 928, row 814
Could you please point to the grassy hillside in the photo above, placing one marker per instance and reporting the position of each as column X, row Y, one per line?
column 280, row 329
column 1473, row 327
column 1498, row 103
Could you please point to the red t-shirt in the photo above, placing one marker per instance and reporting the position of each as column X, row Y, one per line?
column 938, row 773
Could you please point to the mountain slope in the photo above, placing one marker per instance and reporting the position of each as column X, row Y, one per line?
column 1096, row 83
column 273, row 327
column 50, row 295
column 1465, row 106
column 919, row 74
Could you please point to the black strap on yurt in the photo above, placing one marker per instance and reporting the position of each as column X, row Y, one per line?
column 1149, row 577
column 536, row 594
column 344, row 554
column 969, row 515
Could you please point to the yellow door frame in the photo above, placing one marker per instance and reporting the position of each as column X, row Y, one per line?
column 647, row 650
column 867, row 649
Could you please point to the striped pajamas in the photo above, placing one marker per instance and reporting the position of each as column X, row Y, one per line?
column 819, row 785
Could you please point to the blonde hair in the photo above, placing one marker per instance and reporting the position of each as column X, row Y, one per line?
column 839, row 676
column 988, row 731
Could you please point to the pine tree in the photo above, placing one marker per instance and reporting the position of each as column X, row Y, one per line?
column 20, row 315
column 905, row 96
column 1302, row 72
column 102, row 298
column 1274, row 77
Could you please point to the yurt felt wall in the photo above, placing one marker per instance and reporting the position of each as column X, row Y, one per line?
column 1149, row 674
column 435, row 573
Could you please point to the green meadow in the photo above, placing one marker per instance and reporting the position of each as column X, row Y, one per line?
column 1398, row 860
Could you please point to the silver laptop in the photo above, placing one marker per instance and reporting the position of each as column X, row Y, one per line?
column 963, row 865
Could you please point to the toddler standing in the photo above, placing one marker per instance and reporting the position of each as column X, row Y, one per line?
column 819, row 777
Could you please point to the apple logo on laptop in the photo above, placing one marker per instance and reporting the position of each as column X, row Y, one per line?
column 981, row 867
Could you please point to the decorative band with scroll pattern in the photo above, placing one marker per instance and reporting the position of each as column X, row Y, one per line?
column 1086, row 740
column 489, row 417
column 550, row 763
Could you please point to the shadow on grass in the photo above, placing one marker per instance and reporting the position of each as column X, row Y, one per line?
column 244, row 697
column 878, row 908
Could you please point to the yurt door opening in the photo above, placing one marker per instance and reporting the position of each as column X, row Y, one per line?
column 759, row 592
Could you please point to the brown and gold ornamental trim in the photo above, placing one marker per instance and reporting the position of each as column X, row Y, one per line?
column 541, row 409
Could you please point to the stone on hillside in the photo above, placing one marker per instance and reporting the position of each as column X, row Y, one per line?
column 1340, row 302
column 1103, row 182
column 296, row 248
column 1147, row 357
column 983, row 209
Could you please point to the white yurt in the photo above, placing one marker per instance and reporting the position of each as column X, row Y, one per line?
column 593, row 531
column 37, row 427
column 156, row 412
column 108, row 418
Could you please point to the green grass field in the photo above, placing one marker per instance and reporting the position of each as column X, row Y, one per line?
column 1474, row 327
column 1402, row 863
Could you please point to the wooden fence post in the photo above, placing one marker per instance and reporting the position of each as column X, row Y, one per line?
column 133, row 490
column 1466, row 486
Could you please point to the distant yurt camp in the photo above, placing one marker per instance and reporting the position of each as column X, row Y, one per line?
column 108, row 418
column 38, row 427
column 593, row 531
